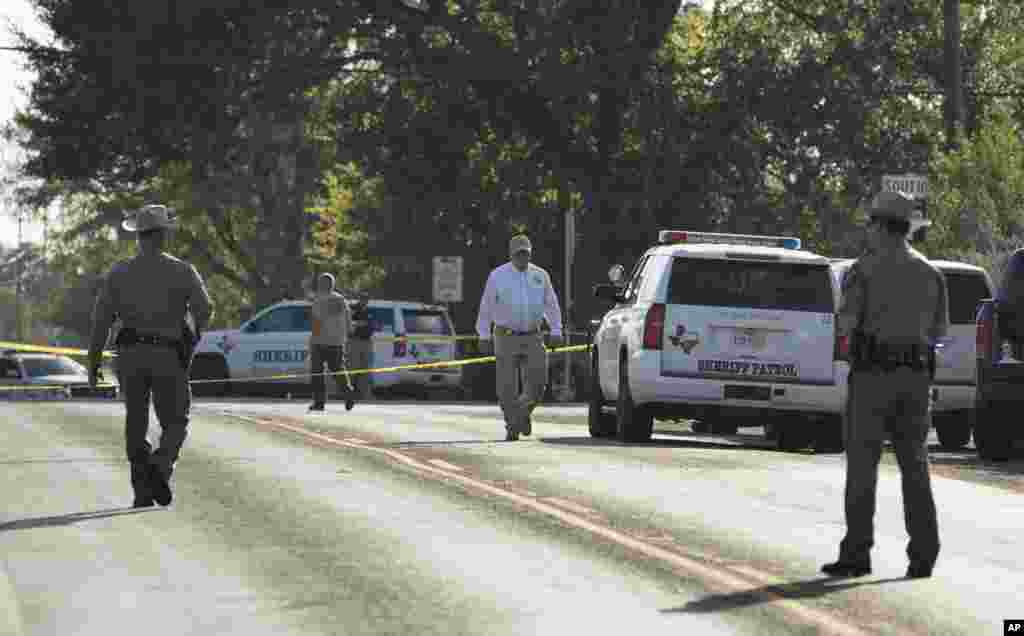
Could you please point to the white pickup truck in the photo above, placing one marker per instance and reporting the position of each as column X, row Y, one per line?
column 275, row 342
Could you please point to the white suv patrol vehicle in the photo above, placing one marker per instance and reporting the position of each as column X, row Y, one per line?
column 275, row 342
column 955, row 384
column 729, row 329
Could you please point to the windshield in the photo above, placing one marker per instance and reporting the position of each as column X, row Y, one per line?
column 426, row 321
column 754, row 285
column 37, row 367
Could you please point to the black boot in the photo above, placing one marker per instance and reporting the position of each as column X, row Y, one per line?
column 159, row 482
column 141, row 486
column 848, row 567
column 919, row 571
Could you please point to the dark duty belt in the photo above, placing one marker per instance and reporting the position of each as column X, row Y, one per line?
column 130, row 337
column 872, row 355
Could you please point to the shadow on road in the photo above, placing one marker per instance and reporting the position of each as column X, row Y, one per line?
column 812, row 588
column 658, row 442
column 63, row 460
column 435, row 443
column 68, row 519
column 969, row 459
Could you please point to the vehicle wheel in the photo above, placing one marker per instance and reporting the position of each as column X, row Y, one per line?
column 771, row 431
column 829, row 436
column 991, row 442
column 601, row 424
column 635, row 423
column 792, row 436
column 953, row 430
column 700, row 426
column 209, row 368
column 724, row 427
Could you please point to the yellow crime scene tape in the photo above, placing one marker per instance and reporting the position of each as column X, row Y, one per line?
column 403, row 367
column 290, row 376
column 66, row 351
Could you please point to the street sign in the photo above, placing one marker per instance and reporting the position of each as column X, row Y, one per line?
column 912, row 185
column 448, row 279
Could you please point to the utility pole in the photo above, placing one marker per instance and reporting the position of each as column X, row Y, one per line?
column 565, row 202
column 954, row 88
column 18, row 327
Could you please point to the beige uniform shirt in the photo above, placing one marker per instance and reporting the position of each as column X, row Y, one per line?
column 151, row 294
column 332, row 320
column 897, row 295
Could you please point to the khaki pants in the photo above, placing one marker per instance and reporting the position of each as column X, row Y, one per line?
column 154, row 373
column 515, row 354
column 894, row 404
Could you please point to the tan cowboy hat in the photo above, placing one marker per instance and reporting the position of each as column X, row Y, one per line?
column 150, row 217
column 896, row 205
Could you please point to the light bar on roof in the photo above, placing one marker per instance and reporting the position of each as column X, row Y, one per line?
column 667, row 237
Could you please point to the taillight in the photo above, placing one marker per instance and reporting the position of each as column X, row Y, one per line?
column 842, row 348
column 654, row 326
column 983, row 335
column 401, row 348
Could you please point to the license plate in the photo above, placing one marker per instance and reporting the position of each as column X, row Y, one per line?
column 747, row 392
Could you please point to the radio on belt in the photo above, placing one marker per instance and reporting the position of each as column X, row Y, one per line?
column 666, row 237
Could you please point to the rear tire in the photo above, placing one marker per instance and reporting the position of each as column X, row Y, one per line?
column 829, row 436
column 601, row 424
column 792, row 436
column 992, row 444
column 209, row 368
column 635, row 423
column 953, row 430
column 724, row 427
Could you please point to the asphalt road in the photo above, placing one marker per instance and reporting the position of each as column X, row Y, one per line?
column 417, row 518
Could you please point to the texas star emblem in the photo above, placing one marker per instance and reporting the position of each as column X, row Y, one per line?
column 686, row 341
column 225, row 345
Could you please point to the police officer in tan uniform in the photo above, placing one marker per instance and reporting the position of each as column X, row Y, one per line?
column 332, row 321
column 151, row 296
column 894, row 310
column 517, row 297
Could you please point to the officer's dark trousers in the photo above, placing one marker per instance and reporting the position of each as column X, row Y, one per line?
column 895, row 404
column 152, row 372
column 334, row 357
column 359, row 358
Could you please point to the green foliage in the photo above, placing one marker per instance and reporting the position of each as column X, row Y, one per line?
column 442, row 127
column 977, row 196
column 340, row 246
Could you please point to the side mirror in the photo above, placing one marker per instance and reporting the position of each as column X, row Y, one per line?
column 611, row 293
column 616, row 274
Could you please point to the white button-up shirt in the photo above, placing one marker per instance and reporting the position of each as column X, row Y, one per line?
column 518, row 301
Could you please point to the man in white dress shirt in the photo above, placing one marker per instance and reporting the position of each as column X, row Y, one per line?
column 517, row 297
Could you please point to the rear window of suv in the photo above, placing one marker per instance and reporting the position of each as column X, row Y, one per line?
column 751, row 284
column 965, row 291
column 426, row 321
